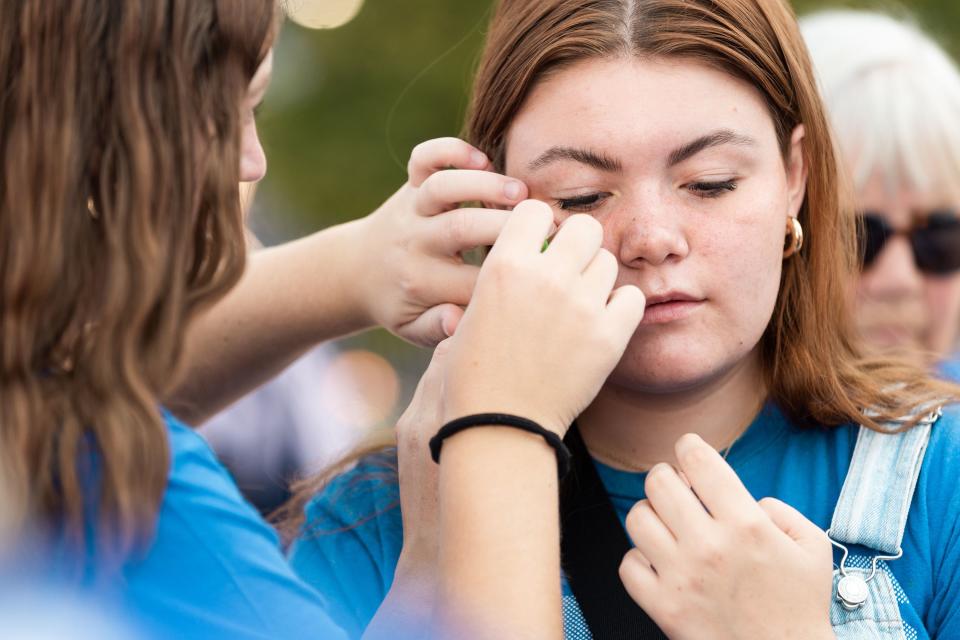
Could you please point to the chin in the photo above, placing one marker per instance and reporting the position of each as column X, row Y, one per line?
column 665, row 368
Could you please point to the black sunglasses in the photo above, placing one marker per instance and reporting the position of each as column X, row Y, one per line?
column 935, row 241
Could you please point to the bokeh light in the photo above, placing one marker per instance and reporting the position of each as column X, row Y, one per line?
column 360, row 389
column 323, row 14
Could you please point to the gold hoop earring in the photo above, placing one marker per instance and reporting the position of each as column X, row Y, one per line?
column 794, row 238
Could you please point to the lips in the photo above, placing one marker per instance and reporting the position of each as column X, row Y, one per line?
column 670, row 307
column 671, row 296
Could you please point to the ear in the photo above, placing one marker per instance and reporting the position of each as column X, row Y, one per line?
column 796, row 172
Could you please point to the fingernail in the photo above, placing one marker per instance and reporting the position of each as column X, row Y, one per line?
column 657, row 469
column 688, row 441
column 478, row 159
column 512, row 190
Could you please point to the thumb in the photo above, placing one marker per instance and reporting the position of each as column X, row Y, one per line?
column 432, row 326
column 452, row 314
column 794, row 524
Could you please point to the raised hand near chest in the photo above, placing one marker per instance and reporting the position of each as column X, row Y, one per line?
column 712, row 562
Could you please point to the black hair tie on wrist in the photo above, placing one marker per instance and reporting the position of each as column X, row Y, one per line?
column 502, row 420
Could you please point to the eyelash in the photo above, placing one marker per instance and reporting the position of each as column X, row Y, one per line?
column 582, row 204
column 712, row 189
column 590, row 201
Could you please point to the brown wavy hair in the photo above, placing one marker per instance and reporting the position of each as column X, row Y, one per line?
column 119, row 221
column 813, row 364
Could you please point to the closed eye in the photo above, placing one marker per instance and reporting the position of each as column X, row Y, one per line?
column 582, row 204
column 712, row 189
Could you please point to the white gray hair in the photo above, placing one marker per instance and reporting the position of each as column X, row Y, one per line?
column 893, row 96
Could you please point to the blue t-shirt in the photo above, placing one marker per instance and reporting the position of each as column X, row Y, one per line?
column 353, row 534
column 949, row 368
column 214, row 569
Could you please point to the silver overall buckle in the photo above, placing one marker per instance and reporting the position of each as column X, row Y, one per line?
column 852, row 589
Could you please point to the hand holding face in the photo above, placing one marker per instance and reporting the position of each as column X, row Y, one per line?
column 711, row 562
column 544, row 328
column 416, row 282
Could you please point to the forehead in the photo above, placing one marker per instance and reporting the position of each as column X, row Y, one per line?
column 637, row 104
column 900, row 199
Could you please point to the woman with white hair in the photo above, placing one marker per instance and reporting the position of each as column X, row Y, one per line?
column 893, row 96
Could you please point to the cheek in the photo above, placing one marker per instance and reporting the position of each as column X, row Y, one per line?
column 742, row 255
column 735, row 261
column 943, row 309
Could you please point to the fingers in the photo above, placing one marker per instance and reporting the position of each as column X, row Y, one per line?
column 444, row 190
column 714, row 482
column 625, row 310
column 432, row 326
column 576, row 243
column 675, row 504
column 434, row 155
column 526, row 228
column 601, row 274
column 792, row 522
column 453, row 283
column 463, row 229
column 452, row 315
column 650, row 535
column 638, row 577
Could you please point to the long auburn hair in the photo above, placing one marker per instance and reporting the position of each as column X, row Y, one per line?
column 119, row 220
column 812, row 362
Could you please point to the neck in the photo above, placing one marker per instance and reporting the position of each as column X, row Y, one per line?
column 634, row 430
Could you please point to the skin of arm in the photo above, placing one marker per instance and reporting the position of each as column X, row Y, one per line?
column 499, row 505
column 244, row 341
column 399, row 267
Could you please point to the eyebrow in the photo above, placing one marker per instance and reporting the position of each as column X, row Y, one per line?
column 583, row 156
column 713, row 139
column 612, row 165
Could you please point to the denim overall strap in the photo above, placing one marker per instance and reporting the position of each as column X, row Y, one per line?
column 872, row 512
column 876, row 495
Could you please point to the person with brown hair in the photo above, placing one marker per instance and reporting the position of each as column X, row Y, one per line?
column 125, row 130
column 744, row 419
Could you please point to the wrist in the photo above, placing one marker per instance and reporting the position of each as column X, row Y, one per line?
column 510, row 448
column 339, row 260
column 499, row 420
column 456, row 410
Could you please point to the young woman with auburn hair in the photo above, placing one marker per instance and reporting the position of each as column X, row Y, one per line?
column 125, row 131
column 693, row 132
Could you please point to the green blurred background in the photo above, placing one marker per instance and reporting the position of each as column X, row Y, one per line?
column 348, row 104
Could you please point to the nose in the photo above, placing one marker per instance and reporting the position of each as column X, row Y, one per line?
column 646, row 233
column 893, row 274
column 253, row 160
